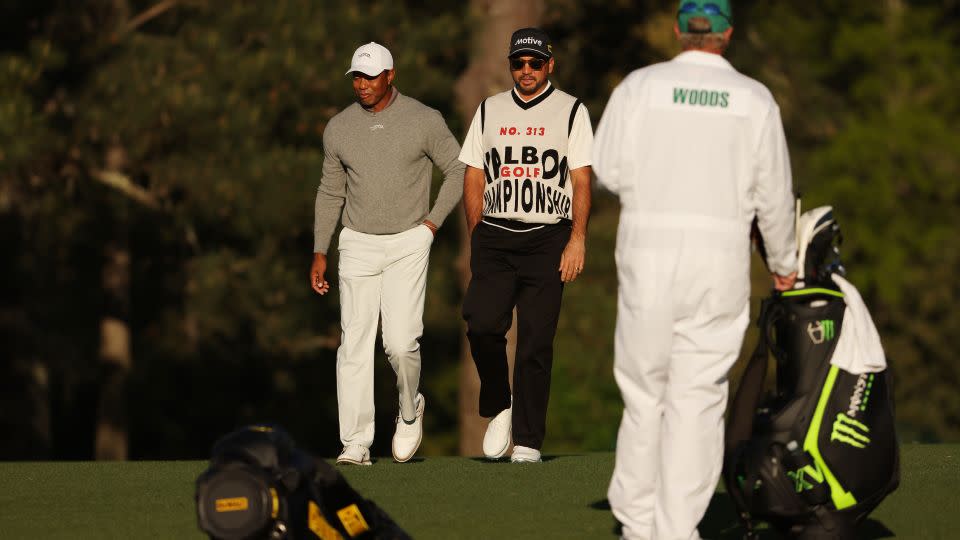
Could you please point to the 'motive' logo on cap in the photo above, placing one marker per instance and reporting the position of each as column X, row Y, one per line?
column 361, row 55
column 528, row 41
column 531, row 40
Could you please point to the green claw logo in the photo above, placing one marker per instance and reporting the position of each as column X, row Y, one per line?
column 821, row 331
column 846, row 430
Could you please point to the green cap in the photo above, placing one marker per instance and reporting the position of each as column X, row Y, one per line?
column 718, row 12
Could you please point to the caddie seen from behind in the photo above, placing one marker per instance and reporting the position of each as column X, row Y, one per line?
column 695, row 150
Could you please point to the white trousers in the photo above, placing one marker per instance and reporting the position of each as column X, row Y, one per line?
column 382, row 278
column 683, row 305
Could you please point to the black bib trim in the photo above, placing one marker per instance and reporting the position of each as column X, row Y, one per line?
column 533, row 102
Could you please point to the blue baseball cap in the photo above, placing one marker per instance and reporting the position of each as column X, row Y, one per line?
column 718, row 12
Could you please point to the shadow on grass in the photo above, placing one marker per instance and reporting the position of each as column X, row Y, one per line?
column 480, row 459
column 721, row 523
column 506, row 459
column 615, row 527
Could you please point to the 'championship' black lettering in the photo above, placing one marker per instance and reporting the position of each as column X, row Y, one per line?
column 516, row 194
column 526, row 195
column 540, row 199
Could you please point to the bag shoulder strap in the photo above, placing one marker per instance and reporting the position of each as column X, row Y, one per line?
column 743, row 408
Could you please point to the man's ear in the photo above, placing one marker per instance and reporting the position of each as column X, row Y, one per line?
column 390, row 74
column 550, row 66
column 727, row 34
column 676, row 30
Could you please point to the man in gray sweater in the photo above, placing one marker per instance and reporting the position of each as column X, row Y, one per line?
column 378, row 164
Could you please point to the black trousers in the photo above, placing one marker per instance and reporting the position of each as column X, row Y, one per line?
column 515, row 269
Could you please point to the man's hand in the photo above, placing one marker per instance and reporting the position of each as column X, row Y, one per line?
column 317, row 269
column 784, row 283
column 571, row 262
column 431, row 225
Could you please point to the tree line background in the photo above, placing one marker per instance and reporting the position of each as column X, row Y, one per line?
column 159, row 162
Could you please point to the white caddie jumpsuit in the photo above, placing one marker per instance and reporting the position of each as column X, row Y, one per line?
column 694, row 150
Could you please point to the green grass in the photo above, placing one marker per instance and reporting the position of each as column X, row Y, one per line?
column 442, row 498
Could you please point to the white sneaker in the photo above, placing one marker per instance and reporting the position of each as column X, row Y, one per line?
column 523, row 454
column 407, row 438
column 354, row 455
column 497, row 438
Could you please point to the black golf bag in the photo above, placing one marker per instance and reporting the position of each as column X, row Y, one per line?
column 818, row 455
column 260, row 486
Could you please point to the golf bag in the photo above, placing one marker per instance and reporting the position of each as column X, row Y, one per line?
column 821, row 453
column 260, row 486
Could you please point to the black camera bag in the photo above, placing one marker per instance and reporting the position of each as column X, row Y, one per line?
column 260, row 486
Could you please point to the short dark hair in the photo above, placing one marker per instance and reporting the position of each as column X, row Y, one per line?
column 699, row 25
column 699, row 36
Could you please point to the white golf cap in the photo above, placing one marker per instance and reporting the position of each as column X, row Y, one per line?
column 371, row 59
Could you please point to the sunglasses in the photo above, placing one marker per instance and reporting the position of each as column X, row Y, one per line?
column 709, row 9
column 536, row 64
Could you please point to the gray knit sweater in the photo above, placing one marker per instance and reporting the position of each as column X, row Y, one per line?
column 380, row 165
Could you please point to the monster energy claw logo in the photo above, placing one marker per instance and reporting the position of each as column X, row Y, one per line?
column 846, row 430
column 821, row 331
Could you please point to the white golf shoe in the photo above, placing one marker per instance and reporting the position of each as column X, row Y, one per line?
column 523, row 454
column 354, row 455
column 407, row 437
column 497, row 438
